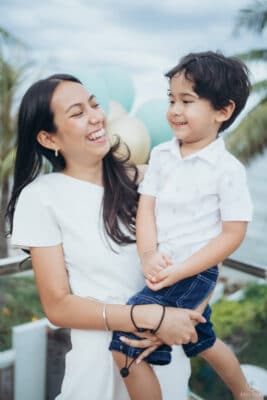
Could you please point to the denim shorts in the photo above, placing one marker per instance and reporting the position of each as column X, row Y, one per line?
column 187, row 293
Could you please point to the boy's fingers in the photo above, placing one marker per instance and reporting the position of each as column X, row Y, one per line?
column 155, row 286
column 161, row 275
column 167, row 259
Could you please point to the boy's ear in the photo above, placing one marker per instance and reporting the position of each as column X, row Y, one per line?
column 47, row 140
column 226, row 112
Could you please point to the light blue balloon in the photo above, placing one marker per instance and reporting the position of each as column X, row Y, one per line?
column 95, row 85
column 120, row 85
column 153, row 115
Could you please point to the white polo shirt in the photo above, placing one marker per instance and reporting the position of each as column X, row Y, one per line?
column 194, row 195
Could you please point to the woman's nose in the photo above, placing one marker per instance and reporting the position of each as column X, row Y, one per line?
column 96, row 115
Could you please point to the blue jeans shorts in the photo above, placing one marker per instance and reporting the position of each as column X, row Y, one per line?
column 187, row 293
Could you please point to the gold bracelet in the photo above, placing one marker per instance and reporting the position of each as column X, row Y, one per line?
column 105, row 317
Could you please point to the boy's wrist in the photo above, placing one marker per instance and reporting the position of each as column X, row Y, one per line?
column 144, row 256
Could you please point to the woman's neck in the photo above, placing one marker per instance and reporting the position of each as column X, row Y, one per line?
column 90, row 173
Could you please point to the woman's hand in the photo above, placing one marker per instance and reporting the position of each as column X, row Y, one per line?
column 178, row 326
column 149, row 343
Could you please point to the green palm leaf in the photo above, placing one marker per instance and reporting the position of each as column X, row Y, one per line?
column 250, row 137
column 260, row 87
column 6, row 165
column 254, row 17
column 254, row 55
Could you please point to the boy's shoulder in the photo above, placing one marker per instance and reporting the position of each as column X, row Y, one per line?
column 230, row 163
column 165, row 146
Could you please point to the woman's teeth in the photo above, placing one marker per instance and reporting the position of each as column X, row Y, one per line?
column 96, row 135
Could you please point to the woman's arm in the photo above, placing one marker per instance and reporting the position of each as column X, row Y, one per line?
column 67, row 310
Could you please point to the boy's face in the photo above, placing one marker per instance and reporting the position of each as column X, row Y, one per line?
column 192, row 119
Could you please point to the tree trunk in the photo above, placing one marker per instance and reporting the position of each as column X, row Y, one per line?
column 4, row 201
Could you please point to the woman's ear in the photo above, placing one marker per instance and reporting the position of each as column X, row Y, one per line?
column 226, row 112
column 47, row 140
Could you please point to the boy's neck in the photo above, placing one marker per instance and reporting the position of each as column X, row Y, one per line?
column 187, row 148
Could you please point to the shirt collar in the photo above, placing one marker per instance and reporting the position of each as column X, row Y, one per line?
column 210, row 153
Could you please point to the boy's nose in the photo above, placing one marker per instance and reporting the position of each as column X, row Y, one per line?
column 176, row 109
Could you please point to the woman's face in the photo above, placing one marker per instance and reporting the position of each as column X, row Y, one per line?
column 81, row 135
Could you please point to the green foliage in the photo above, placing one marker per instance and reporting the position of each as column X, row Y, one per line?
column 247, row 320
column 19, row 303
column 250, row 137
column 245, row 317
column 254, row 17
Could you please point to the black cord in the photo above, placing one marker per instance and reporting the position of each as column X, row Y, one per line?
column 160, row 322
column 126, row 369
column 133, row 321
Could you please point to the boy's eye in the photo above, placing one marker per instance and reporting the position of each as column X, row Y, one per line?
column 96, row 105
column 187, row 101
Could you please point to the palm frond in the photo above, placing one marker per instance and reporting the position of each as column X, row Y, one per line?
column 253, row 55
column 253, row 18
column 6, row 165
column 260, row 87
column 250, row 137
column 9, row 38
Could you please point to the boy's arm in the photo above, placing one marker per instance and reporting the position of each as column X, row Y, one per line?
column 146, row 237
column 217, row 250
column 146, row 231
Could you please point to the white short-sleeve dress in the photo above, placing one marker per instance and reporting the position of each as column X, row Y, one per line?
column 58, row 209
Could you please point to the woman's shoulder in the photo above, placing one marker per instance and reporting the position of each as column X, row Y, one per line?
column 41, row 188
column 42, row 182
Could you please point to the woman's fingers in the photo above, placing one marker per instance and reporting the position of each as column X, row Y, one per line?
column 146, row 353
column 195, row 316
column 146, row 335
column 142, row 344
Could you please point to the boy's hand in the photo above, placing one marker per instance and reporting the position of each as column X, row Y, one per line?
column 165, row 277
column 153, row 263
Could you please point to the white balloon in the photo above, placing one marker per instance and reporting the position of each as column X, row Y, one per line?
column 116, row 111
column 134, row 133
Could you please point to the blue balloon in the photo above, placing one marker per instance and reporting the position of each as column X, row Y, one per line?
column 120, row 85
column 153, row 115
column 95, row 85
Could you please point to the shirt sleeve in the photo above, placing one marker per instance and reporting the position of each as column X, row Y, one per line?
column 235, row 200
column 150, row 183
column 34, row 224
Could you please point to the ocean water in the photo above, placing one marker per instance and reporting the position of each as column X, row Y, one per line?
column 254, row 248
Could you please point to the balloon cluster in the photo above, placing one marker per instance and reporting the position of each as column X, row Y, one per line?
column 144, row 129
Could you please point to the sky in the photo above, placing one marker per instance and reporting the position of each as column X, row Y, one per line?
column 145, row 37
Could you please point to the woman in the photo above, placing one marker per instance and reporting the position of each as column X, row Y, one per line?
column 78, row 224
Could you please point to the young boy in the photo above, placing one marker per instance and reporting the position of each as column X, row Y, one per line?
column 193, row 211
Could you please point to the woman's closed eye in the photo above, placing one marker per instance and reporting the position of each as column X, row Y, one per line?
column 77, row 114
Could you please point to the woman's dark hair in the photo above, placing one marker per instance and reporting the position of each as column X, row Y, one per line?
column 35, row 114
column 216, row 78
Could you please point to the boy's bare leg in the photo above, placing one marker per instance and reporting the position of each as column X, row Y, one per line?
column 141, row 383
column 225, row 363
